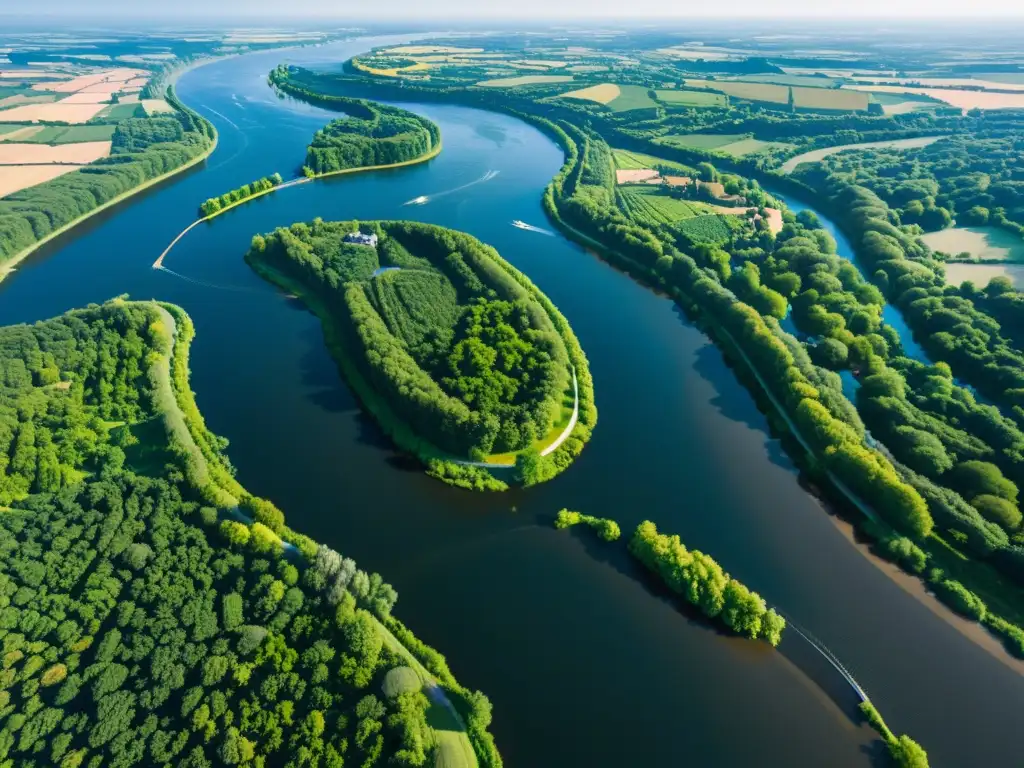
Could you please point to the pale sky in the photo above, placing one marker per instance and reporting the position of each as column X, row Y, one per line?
column 582, row 10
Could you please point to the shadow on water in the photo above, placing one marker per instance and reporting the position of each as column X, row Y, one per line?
column 804, row 652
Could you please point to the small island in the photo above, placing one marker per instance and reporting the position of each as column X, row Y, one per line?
column 459, row 357
column 371, row 135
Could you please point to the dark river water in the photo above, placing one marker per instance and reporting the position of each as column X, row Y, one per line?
column 587, row 662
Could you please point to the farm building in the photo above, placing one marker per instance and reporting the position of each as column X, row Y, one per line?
column 360, row 238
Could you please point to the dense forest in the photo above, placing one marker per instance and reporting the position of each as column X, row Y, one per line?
column 142, row 149
column 461, row 355
column 370, row 135
column 143, row 626
column 977, row 179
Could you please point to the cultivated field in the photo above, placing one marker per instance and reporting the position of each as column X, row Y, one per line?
column 61, row 134
column 981, row 274
column 692, row 98
column 512, row 82
column 86, row 98
column 627, row 160
column 19, row 132
column 24, row 98
column 605, row 93
column 774, row 94
column 17, row 177
column 650, row 203
column 39, row 154
column 956, row 98
column 634, row 175
column 155, row 106
column 980, row 242
column 58, row 112
column 736, row 145
column 829, row 98
column 817, row 155
column 705, row 140
column 947, row 82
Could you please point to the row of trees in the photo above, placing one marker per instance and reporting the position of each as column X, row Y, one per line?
column 607, row 529
column 142, row 149
column 703, row 583
column 215, row 205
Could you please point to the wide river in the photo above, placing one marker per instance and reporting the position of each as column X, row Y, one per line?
column 586, row 661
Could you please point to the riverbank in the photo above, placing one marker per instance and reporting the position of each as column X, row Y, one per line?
column 9, row 266
column 159, row 263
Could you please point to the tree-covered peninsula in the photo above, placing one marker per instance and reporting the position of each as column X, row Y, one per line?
column 370, row 135
column 154, row 613
column 458, row 355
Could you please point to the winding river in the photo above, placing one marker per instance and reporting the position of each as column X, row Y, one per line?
column 586, row 661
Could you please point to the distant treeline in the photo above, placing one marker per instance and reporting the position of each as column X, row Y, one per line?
column 217, row 204
column 372, row 134
column 142, row 149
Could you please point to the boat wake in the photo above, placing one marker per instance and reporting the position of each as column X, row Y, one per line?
column 225, row 118
column 424, row 199
column 205, row 284
column 530, row 228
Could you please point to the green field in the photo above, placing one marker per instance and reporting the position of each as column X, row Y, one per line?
column 6, row 128
column 513, row 82
column 647, row 203
column 120, row 112
column 73, row 134
column 692, row 98
column 704, row 140
column 830, row 98
column 632, row 97
column 774, row 94
column 627, row 160
column 712, row 229
column 736, row 145
column 416, row 304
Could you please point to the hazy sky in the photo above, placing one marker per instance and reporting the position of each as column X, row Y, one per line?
column 470, row 9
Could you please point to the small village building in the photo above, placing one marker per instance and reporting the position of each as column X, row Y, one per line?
column 360, row 238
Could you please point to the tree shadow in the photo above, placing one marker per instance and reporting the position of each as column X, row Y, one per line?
column 795, row 647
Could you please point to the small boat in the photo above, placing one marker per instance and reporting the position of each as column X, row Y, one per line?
column 418, row 200
column 521, row 224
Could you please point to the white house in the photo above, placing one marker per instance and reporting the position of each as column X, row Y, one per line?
column 361, row 239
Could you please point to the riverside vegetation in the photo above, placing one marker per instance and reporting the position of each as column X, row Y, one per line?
column 455, row 353
column 216, row 205
column 142, row 149
column 938, row 477
column 144, row 623
column 371, row 135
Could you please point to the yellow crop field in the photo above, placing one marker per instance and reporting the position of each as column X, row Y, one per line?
column 53, row 113
column 956, row 98
column 17, row 177
column 605, row 93
column 39, row 154
column 829, row 98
